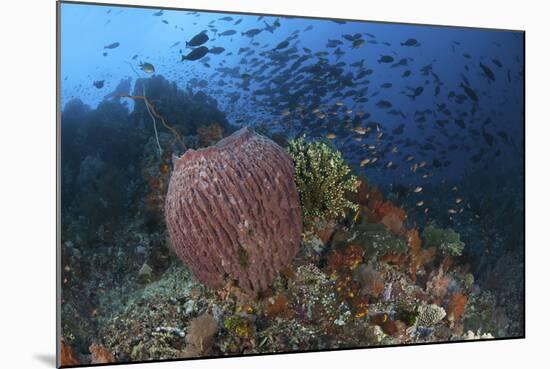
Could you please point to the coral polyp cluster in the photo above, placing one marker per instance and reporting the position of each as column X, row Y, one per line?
column 323, row 179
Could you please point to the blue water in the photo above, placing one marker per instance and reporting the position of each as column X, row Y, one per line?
column 447, row 135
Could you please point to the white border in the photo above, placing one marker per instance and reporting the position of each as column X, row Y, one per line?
column 27, row 182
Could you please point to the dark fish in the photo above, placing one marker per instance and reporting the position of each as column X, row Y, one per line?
column 197, row 40
column 114, row 45
column 406, row 73
column 488, row 138
column 252, row 32
column 477, row 157
column 175, row 44
column 416, row 92
column 504, row 136
column 410, row 42
column 338, row 21
column 227, row 19
column 471, row 93
column 238, row 21
column 384, row 104
column 385, row 59
column 487, row 71
column 159, row 13
column 195, row 54
column 497, row 63
column 105, row 54
column 358, row 43
column 164, row 21
column 134, row 57
column 401, row 63
column 282, row 45
column 99, row 84
column 230, row 32
column 216, row 50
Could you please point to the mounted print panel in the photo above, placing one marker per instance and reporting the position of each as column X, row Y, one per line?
column 243, row 184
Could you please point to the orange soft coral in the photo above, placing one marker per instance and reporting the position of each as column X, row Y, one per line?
column 100, row 355
column 277, row 307
column 346, row 259
column 456, row 306
column 67, row 356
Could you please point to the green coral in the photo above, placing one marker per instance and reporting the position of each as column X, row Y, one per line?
column 322, row 178
column 376, row 240
column 446, row 240
column 239, row 326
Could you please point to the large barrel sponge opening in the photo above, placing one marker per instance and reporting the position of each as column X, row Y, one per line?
column 233, row 210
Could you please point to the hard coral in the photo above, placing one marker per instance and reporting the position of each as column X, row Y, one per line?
column 323, row 179
column 446, row 240
column 233, row 209
column 430, row 315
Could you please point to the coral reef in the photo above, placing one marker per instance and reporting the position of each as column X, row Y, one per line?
column 447, row 241
column 430, row 315
column 253, row 237
column 323, row 179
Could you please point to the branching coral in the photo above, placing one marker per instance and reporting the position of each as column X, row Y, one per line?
column 323, row 179
column 430, row 315
column 446, row 240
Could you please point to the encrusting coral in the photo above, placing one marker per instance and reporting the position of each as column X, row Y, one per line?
column 323, row 179
column 447, row 241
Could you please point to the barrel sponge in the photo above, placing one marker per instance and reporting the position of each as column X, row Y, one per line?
column 233, row 210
